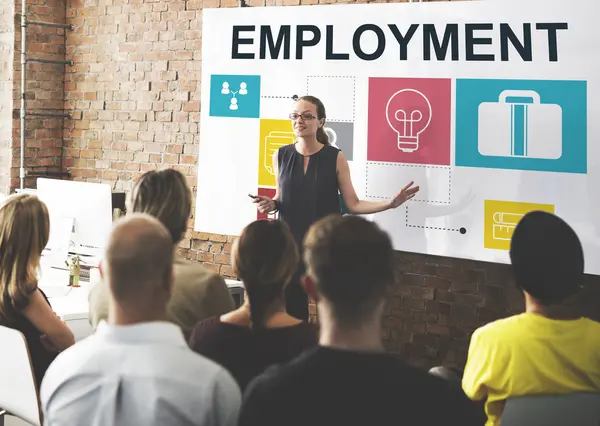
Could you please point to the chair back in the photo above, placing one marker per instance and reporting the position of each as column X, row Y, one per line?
column 581, row 409
column 18, row 393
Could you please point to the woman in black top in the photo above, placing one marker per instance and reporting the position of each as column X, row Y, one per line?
column 24, row 232
column 259, row 333
column 310, row 174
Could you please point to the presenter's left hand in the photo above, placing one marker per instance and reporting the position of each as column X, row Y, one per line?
column 405, row 194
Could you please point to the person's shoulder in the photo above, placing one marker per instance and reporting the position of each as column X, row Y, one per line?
column 192, row 274
column 332, row 152
column 197, row 376
column 499, row 328
column 70, row 362
column 267, row 386
column 287, row 148
column 279, row 378
column 285, row 151
column 205, row 331
column 588, row 322
column 191, row 365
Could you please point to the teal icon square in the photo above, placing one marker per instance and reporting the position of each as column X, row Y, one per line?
column 536, row 125
column 236, row 96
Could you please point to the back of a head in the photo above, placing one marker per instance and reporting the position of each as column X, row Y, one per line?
column 139, row 258
column 165, row 195
column 24, row 232
column 265, row 257
column 547, row 257
column 351, row 262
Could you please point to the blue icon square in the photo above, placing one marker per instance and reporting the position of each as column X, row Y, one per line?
column 538, row 125
column 235, row 96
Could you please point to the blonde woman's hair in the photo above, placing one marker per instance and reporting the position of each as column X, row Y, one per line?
column 24, row 232
column 165, row 195
column 265, row 258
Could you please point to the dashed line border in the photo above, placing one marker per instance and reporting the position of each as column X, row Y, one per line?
column 426, row 166
column 437, row 228
column 276, row 97
column 308, row 77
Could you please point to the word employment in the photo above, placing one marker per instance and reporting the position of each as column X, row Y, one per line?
column 455, row 42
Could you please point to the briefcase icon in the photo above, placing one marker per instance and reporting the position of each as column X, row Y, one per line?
column 519, row 125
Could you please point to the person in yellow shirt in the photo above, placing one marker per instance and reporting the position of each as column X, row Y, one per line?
column 549, row 349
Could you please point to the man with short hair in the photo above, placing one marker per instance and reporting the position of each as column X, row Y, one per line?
column 550, row 348
column 349, row 379
column 137, row 369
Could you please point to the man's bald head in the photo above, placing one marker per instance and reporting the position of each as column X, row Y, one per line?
column 139, row 258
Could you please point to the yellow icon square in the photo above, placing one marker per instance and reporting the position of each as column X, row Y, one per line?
column 501, row 218
column 273, row 135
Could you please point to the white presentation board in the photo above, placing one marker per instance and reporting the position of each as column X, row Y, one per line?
column 484, row 106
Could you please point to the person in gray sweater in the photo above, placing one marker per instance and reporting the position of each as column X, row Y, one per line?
column 197, row 293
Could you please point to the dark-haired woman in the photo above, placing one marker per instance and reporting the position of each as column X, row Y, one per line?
column 260, row 333
column 310, row 174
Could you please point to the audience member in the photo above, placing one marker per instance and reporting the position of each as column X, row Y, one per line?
column 260, row 333
column 549, row 349
column 197, row 293
column 349, row 379
column 24, row 232
column 137, row 369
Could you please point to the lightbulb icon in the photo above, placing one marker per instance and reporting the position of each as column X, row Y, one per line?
column 408, row 113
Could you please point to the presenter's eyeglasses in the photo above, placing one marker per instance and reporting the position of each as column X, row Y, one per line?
column 305, row 117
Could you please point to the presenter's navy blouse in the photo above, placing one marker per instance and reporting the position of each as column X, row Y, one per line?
column 307, row 197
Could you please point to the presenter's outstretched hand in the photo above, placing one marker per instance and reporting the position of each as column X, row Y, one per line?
column 265, row 204
column 405, row 194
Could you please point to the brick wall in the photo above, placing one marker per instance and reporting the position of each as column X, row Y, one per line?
column 7, row 35
column 134, row 91
column 44, row 92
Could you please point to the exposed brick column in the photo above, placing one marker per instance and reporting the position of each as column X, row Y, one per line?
column 45, row 91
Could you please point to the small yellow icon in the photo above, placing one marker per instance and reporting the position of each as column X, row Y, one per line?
column 273, row 135
column 501, row 219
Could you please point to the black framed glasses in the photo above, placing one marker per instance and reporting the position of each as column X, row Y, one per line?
column 307, row 116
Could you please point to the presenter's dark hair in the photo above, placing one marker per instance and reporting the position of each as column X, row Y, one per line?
column 321, row 115
column 547, row 257
column 351, row 261
column 165, row 195
column 265, row 258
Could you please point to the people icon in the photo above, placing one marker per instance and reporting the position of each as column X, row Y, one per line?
column 243, row 88
column 233, row 106
column 225, row 89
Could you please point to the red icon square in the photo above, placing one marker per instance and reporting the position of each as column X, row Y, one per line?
column 267, row 192
column 409, row 120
